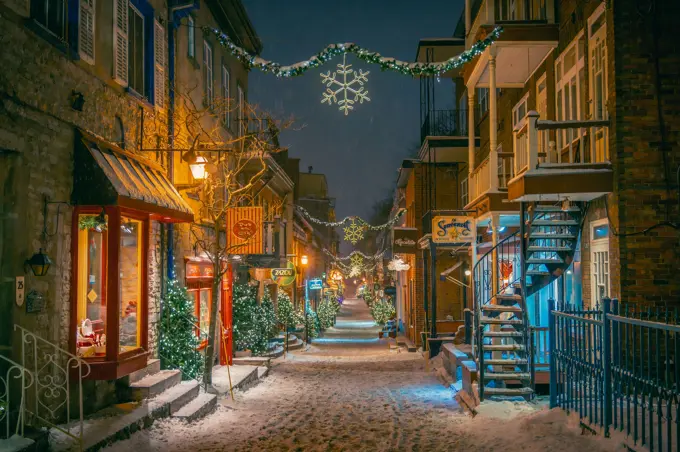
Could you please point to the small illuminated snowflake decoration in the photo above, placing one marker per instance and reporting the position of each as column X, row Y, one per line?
column 354, row 232
column 356, row 260
column 345, row 92
column 354, row 272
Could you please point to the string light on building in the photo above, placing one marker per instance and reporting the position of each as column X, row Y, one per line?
column 398, row 265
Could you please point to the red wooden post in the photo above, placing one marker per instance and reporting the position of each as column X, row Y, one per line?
column 227, row 303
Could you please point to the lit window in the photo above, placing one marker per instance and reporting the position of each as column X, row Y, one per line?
column 130, row 283
column 91, row 287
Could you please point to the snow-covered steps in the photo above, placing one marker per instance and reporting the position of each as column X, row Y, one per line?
column 406, row 342
column 294, row 345
column 120, row 421
column 17, row 443
column 197, row 408
column 262, row 372
column 154, row 384
column 252, row 361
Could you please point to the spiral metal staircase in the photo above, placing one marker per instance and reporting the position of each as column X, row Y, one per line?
column 517, row 267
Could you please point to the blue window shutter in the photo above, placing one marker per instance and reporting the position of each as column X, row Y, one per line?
column 72, row 12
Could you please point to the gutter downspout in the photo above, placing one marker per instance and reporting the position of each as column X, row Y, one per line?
column 172, row 25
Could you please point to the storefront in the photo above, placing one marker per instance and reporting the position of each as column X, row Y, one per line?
column 117, row 195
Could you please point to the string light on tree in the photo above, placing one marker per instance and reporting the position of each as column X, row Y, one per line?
column 347, row 91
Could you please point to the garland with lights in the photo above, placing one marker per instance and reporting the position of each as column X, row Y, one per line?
column 333, row 50
column 178, row 340
column 354, row 219
column 355, row 252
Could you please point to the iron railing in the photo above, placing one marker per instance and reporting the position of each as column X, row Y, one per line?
column 618, row 369
column 11, row 371
column 520, row 11
column 497, row 271
column 445, row 123
column 56, row 374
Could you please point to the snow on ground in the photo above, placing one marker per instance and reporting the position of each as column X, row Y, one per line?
column 361, row 395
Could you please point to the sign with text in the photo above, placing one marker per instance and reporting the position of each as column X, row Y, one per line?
column 315, row 284
column 284, row 276
column 404, row 240
column 20, row 288
column 453, row 229
column 245, row 230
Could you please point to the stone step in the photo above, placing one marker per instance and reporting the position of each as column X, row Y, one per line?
column 262, row 372
column 503, row 347
column 506, row 362
column 197, row 408
column 503, row 334
column 153, row 366
column 501, row 308
column 497, row 321
column 120, row 423
column 277, row 352
column 505, row 297
column 252, row 361
column 295, row 345
column 154, row 384
column 506, row 376
column 507, row 391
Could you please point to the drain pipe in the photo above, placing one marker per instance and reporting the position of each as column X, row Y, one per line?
column 173, row 23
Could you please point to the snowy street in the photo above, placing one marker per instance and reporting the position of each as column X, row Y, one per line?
column 350, row 392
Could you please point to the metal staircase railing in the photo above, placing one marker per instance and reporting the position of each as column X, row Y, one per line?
column 15, row 371
column 55, row 371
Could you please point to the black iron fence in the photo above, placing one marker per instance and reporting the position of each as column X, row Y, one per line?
column 445, row 123
column 617, row 367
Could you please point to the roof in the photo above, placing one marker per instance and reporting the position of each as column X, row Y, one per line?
column 106, row 175
column 405, row 172
column 313, row 186
column 232, row 16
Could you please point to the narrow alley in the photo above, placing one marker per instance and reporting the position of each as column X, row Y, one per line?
column 350, row 391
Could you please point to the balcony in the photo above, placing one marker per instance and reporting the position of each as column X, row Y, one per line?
column 530, row 32
column 558, row 160
column 444, row 136
column 484, row 195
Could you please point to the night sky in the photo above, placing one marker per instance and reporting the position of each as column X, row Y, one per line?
column 359, row 153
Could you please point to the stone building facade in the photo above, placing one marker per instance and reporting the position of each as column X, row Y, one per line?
column 66, row 83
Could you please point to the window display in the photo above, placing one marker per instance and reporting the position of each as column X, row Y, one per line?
column 130, row 283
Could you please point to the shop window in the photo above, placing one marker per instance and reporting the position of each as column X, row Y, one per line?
column 599, row 260
column 91, row 287
column 130, row 283
column 202, row 299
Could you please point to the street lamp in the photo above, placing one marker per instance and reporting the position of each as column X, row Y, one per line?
column 304, row 260
column 198, row 169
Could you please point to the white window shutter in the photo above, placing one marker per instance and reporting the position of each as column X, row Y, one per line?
column 159, row 64
column 86, row 21
column 120, row 41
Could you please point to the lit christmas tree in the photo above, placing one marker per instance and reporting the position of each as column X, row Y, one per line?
column 178, row 339
column 244, row 304
column 286, row 312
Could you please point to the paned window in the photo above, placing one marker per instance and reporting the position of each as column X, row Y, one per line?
column 130, row 281
column 191, row 37
column 570, row 89
column 136, row 50
column 208, row 80
column 51, row 15
column 226, row 95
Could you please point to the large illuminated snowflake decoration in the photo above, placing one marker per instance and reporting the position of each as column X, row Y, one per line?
column 345, row 92
column 354, row 232
column 356, row 260
column 354, row 272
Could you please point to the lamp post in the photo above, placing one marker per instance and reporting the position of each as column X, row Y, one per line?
column 304, row 261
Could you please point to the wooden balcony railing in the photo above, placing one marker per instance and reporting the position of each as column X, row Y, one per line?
column 553, row 143
column 480, row 180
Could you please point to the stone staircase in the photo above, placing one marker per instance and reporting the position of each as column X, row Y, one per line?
column 153, row 394
column 517, row 267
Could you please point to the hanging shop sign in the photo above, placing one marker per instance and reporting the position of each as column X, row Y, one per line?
column 315, row 284
column 199, row 270
column 404, row 240
column 244, row 230
column 453, row 229
column 284, row 276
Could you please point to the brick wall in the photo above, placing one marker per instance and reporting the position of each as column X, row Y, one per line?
column 648, row 263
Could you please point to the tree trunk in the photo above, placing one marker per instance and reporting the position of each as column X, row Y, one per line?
column 212, row 330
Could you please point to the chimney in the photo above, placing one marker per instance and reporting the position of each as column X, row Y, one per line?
column 309, row 169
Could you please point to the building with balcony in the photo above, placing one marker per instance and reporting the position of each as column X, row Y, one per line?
column 572, row 183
